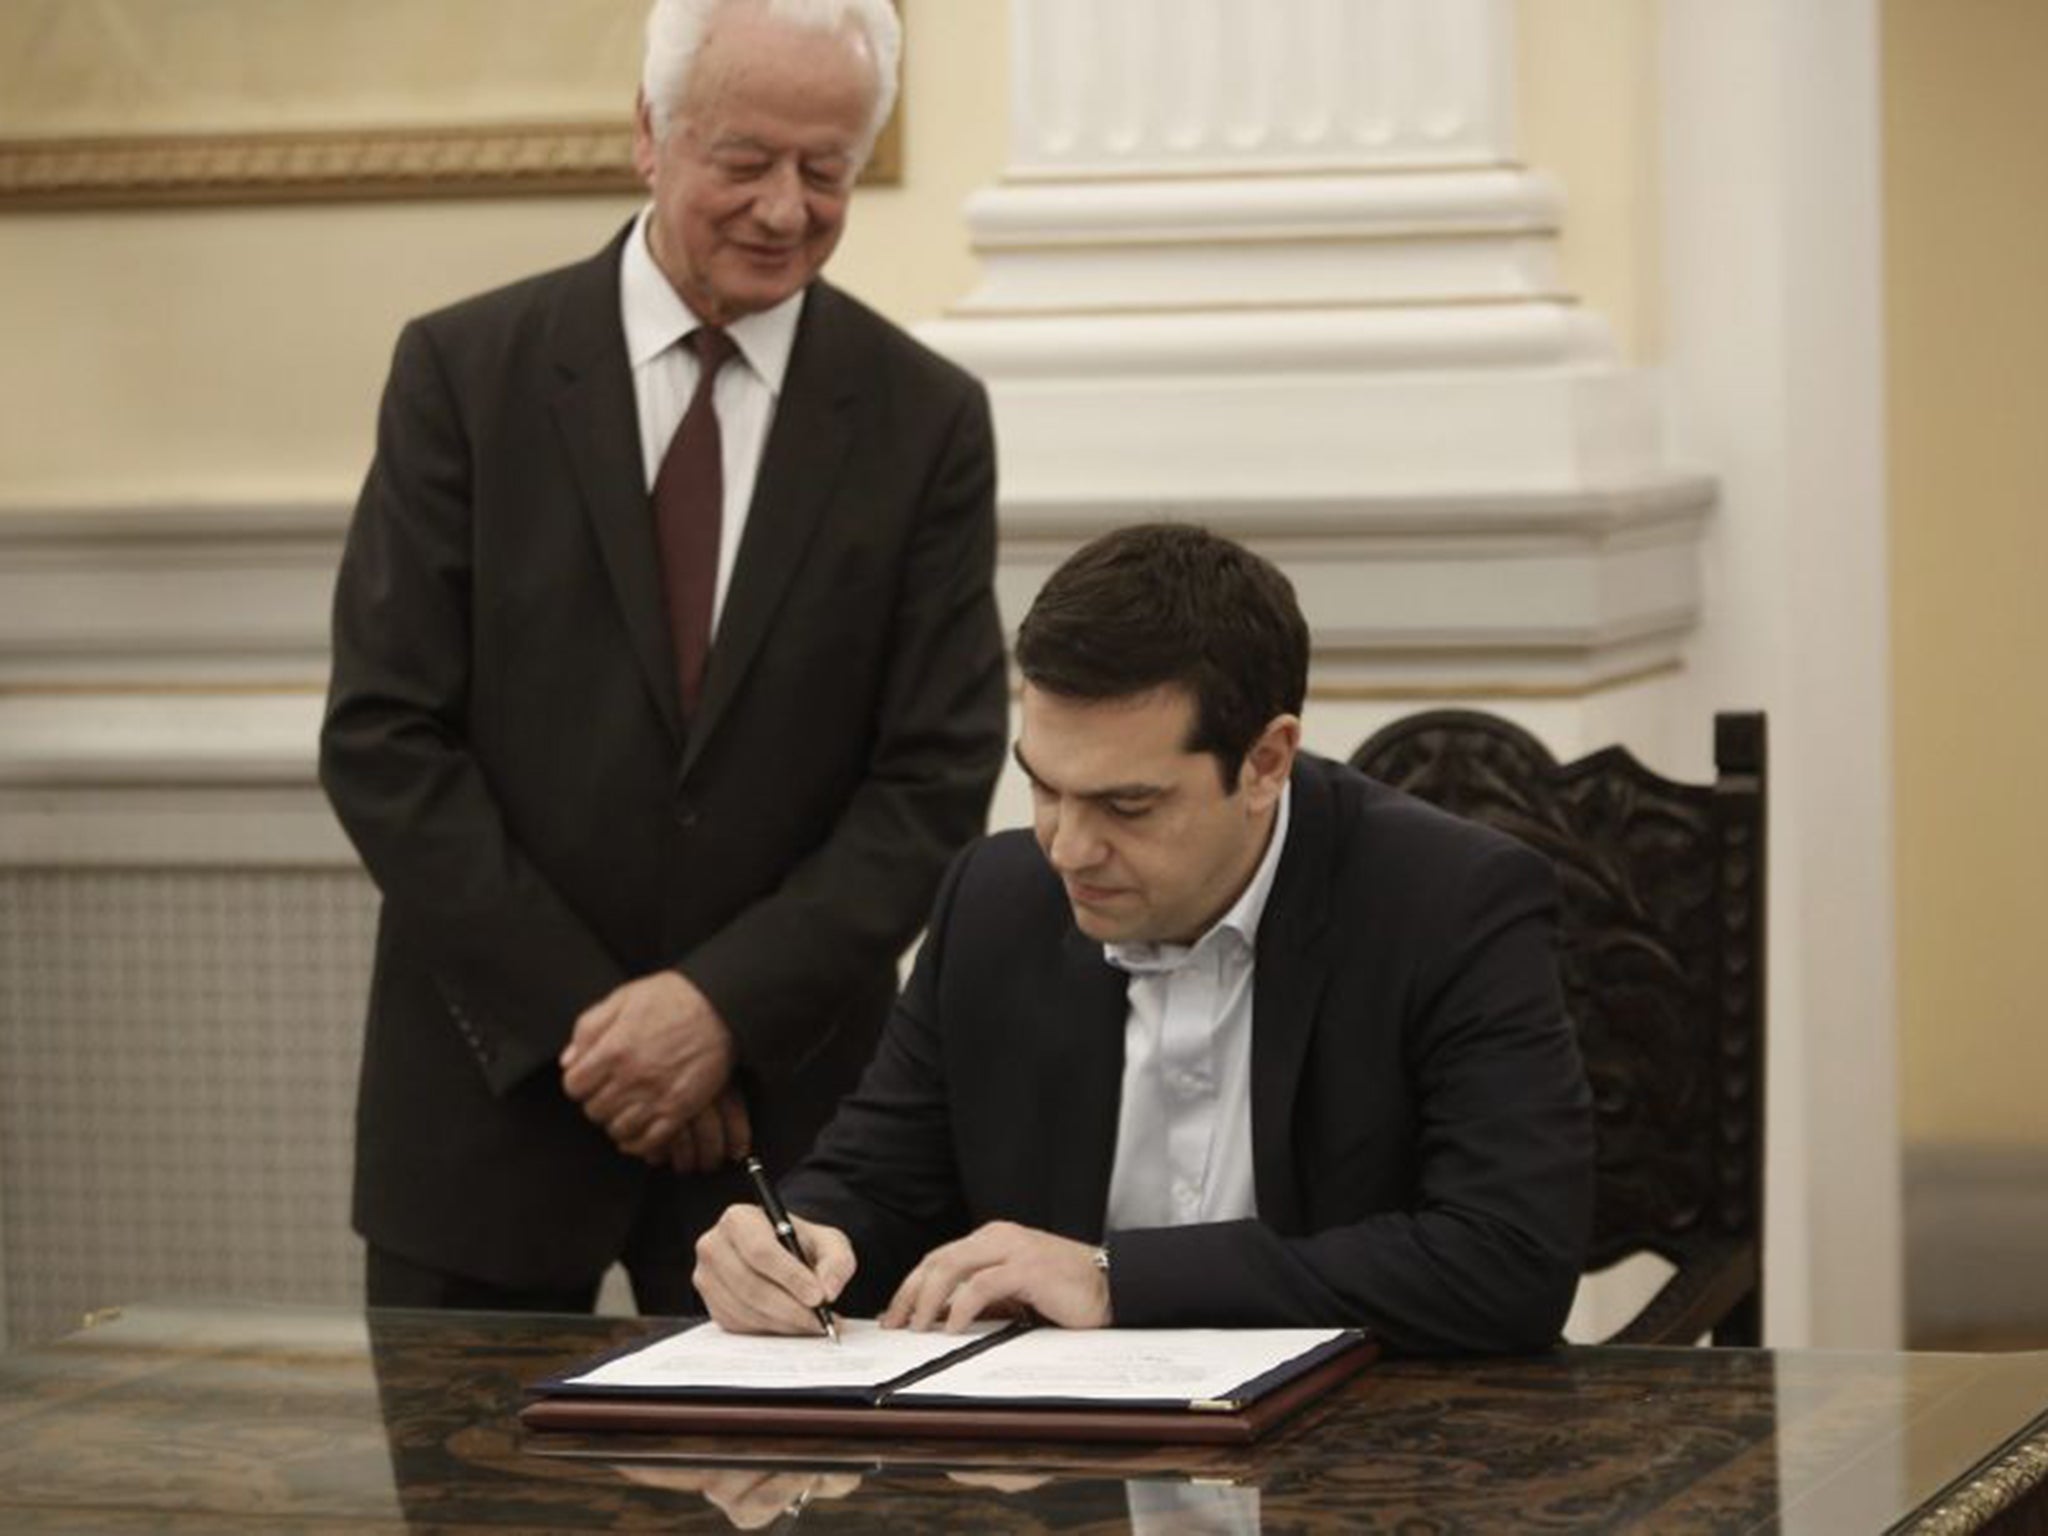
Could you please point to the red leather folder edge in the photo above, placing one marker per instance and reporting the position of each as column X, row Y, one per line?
column 1157, row 1426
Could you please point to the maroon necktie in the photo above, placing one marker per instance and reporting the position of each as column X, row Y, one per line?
column 689, row 498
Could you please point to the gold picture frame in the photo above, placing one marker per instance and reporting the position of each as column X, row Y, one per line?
column 103, row 94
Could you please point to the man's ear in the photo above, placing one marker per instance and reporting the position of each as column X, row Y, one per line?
column 645, row 145
column 1270, row 761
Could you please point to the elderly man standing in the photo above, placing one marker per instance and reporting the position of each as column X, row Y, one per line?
column 667, row 679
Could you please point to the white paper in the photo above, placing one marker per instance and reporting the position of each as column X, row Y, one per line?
column 866, row 1356
column 1120, row 1364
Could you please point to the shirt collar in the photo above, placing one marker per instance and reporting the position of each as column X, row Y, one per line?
column 656, row 318
column 1242, row 919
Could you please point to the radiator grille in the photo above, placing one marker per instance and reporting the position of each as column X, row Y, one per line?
column 178, row 1052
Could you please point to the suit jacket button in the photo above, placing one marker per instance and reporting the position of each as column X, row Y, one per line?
column 686, row 814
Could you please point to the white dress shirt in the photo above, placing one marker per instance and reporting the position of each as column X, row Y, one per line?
column 1184, row 1129
column 665, row 375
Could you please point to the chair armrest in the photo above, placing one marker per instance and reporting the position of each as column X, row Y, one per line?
column 1709, row 1286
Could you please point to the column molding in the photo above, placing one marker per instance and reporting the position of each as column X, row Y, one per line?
column 1311, row 299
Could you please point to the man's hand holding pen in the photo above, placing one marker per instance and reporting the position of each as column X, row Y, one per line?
column 786, row 1234
column 750, row 1283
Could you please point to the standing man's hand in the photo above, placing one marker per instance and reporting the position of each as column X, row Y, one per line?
column 750, row 1283
column 719, row 1134
column 998, row 1270
column 647, row 1059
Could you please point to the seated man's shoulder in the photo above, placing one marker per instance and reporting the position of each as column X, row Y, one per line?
column 1378, row 825
column 1007, row 868
column 1002, row 889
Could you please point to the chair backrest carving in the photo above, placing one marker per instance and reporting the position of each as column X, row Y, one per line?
column 1662, row 957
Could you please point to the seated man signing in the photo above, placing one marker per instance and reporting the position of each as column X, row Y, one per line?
column 1239, row 1037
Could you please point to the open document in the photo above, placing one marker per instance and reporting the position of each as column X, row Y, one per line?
column 864, row 1364
column 1002, row 1379
column 1200, row 1368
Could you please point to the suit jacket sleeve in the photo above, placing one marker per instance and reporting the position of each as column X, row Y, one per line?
column 847, row 909
column 1486, row 1254
column 513, row 961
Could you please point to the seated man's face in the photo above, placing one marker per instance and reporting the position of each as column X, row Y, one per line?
column 1140, row 830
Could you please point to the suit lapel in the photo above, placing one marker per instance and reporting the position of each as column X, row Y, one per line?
column 599, row 422
column 1081, row 1112
column 1287, row 987
column 800, row 464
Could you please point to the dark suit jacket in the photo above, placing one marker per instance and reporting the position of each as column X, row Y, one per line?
column 1421, row 1130
column 505, row 746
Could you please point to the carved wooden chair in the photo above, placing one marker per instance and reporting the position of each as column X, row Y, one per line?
column 1663, row 962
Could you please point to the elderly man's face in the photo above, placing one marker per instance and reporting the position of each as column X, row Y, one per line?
column 752, row 181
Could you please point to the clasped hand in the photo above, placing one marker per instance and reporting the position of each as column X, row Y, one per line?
column 751, row 1284
column 652, row 1063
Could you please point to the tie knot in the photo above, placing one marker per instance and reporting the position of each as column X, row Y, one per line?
column 714, row 348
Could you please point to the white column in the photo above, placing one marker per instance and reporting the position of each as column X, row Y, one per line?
column 1179, row 87
column 1774, row 325
column 1271, row 265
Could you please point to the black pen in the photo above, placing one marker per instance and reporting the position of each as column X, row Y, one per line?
column 785, row 1233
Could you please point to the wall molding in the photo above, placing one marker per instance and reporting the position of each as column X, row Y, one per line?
column 317, row 165
column 182, row 648
column 1553, row 593
column 142, row 595
column 342, row 165
column 162, row 668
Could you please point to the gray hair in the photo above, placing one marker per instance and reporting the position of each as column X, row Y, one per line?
column 676, row 28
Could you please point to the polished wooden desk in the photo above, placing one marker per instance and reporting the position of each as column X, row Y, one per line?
column 181, row 1419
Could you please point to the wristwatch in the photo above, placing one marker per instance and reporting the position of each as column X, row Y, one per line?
column 1101, row 1257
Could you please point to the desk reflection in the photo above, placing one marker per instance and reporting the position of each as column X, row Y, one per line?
column 754, row 1498
column 178, row 1420
column 750, row 1498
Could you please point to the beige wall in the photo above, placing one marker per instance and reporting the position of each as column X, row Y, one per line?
column 135, row 66
column 205, row 354
column 1588, row 115
column 1966, row 251
column 236, row 354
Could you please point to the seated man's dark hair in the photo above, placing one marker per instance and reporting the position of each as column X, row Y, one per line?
column 1169, row 604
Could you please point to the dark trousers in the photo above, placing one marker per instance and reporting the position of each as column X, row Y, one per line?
column 659, row 1255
